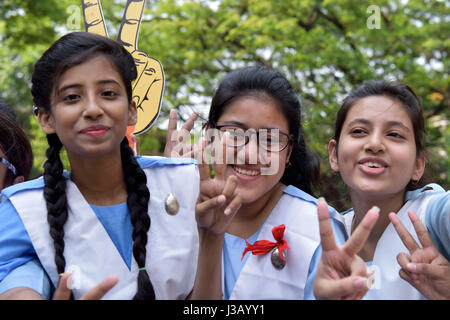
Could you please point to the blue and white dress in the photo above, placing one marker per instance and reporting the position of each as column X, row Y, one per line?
column 98, row 240
column 255, row 277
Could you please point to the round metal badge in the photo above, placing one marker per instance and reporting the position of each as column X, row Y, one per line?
column 171, row 205
column 277, row 262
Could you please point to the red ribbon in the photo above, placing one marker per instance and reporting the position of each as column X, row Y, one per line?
column 264, row 246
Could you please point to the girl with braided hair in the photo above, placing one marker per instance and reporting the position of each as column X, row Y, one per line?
column 110, row 214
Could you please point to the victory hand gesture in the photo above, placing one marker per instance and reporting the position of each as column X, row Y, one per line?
column 341, row 273
column 425, row 268
column 217, row 203
column 175, row 138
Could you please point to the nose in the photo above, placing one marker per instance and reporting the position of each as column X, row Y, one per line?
column 375, row 143
column 92, row 109
column 251, row 150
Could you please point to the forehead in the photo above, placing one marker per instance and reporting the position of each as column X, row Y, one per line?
column 94, row 69
column 379, row 109
column 255, row 112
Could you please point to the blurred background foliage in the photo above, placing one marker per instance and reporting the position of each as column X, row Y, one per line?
column 324, row 47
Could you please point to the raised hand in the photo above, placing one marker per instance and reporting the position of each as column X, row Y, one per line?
column 217, row 203
column 425, row 268
column 341, row 273
column 63, row 291
column 175, row 139
column 149, row 85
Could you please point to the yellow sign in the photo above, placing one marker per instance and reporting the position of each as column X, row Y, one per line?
column 149, row 85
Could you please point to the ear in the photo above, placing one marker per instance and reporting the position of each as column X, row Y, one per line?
column 288, row 157
column 18, row 179
column 46, row 121
column 132, row 114
column 419, row 167
column 332, row 155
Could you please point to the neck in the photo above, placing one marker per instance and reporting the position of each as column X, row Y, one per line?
column 362, row 204
column 100, row 180
column 251, row 216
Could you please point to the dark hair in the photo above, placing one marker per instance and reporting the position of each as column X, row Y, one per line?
column 397, row 91
column 15, row 144
column 71, row 50
column 262, row 82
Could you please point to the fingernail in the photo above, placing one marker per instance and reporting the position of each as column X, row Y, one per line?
column 376, row 209
column 221, row 199
column 63, row 274
column 321, row 199
column 411, row 267
column 361, row 283
column 227, row 211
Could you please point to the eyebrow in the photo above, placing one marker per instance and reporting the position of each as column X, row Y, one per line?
column 391, row 123
column 77, row 85
column 230, row 123
column 237, row 123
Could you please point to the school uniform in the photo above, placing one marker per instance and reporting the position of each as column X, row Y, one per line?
column 256, row 276
column 432, row 205
column 98, row 240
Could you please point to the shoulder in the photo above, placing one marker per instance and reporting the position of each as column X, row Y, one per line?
column 178, row 176
column 302, row 196
column 305, row 204
column 160, row 162
column 173, row 170
column 431, row 189
column 437, row 221
column 35, row 184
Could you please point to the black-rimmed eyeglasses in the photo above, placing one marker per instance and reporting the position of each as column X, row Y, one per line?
column 270, row 139
column 9, row 165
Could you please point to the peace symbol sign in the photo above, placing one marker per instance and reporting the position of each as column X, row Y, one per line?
column 149, row 85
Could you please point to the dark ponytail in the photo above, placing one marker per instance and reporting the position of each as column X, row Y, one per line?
column 137, row 201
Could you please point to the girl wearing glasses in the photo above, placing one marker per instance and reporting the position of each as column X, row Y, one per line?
column 257, row 211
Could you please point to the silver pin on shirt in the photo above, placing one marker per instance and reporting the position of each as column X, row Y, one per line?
column 276, row 260
column 171, row 205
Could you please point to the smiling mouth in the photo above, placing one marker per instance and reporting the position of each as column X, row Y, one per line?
column 372, row 165
column 246, row 171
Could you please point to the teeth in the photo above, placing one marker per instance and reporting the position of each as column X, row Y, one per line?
column 372, row 165
column 246, row 172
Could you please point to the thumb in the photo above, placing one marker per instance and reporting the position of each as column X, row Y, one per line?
column 63, row 291
column 337, row 289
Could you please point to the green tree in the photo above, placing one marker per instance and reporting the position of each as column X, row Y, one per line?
column 324, row 47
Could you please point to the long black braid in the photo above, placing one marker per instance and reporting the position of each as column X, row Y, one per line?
column 55, row 197
column 137, row 201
